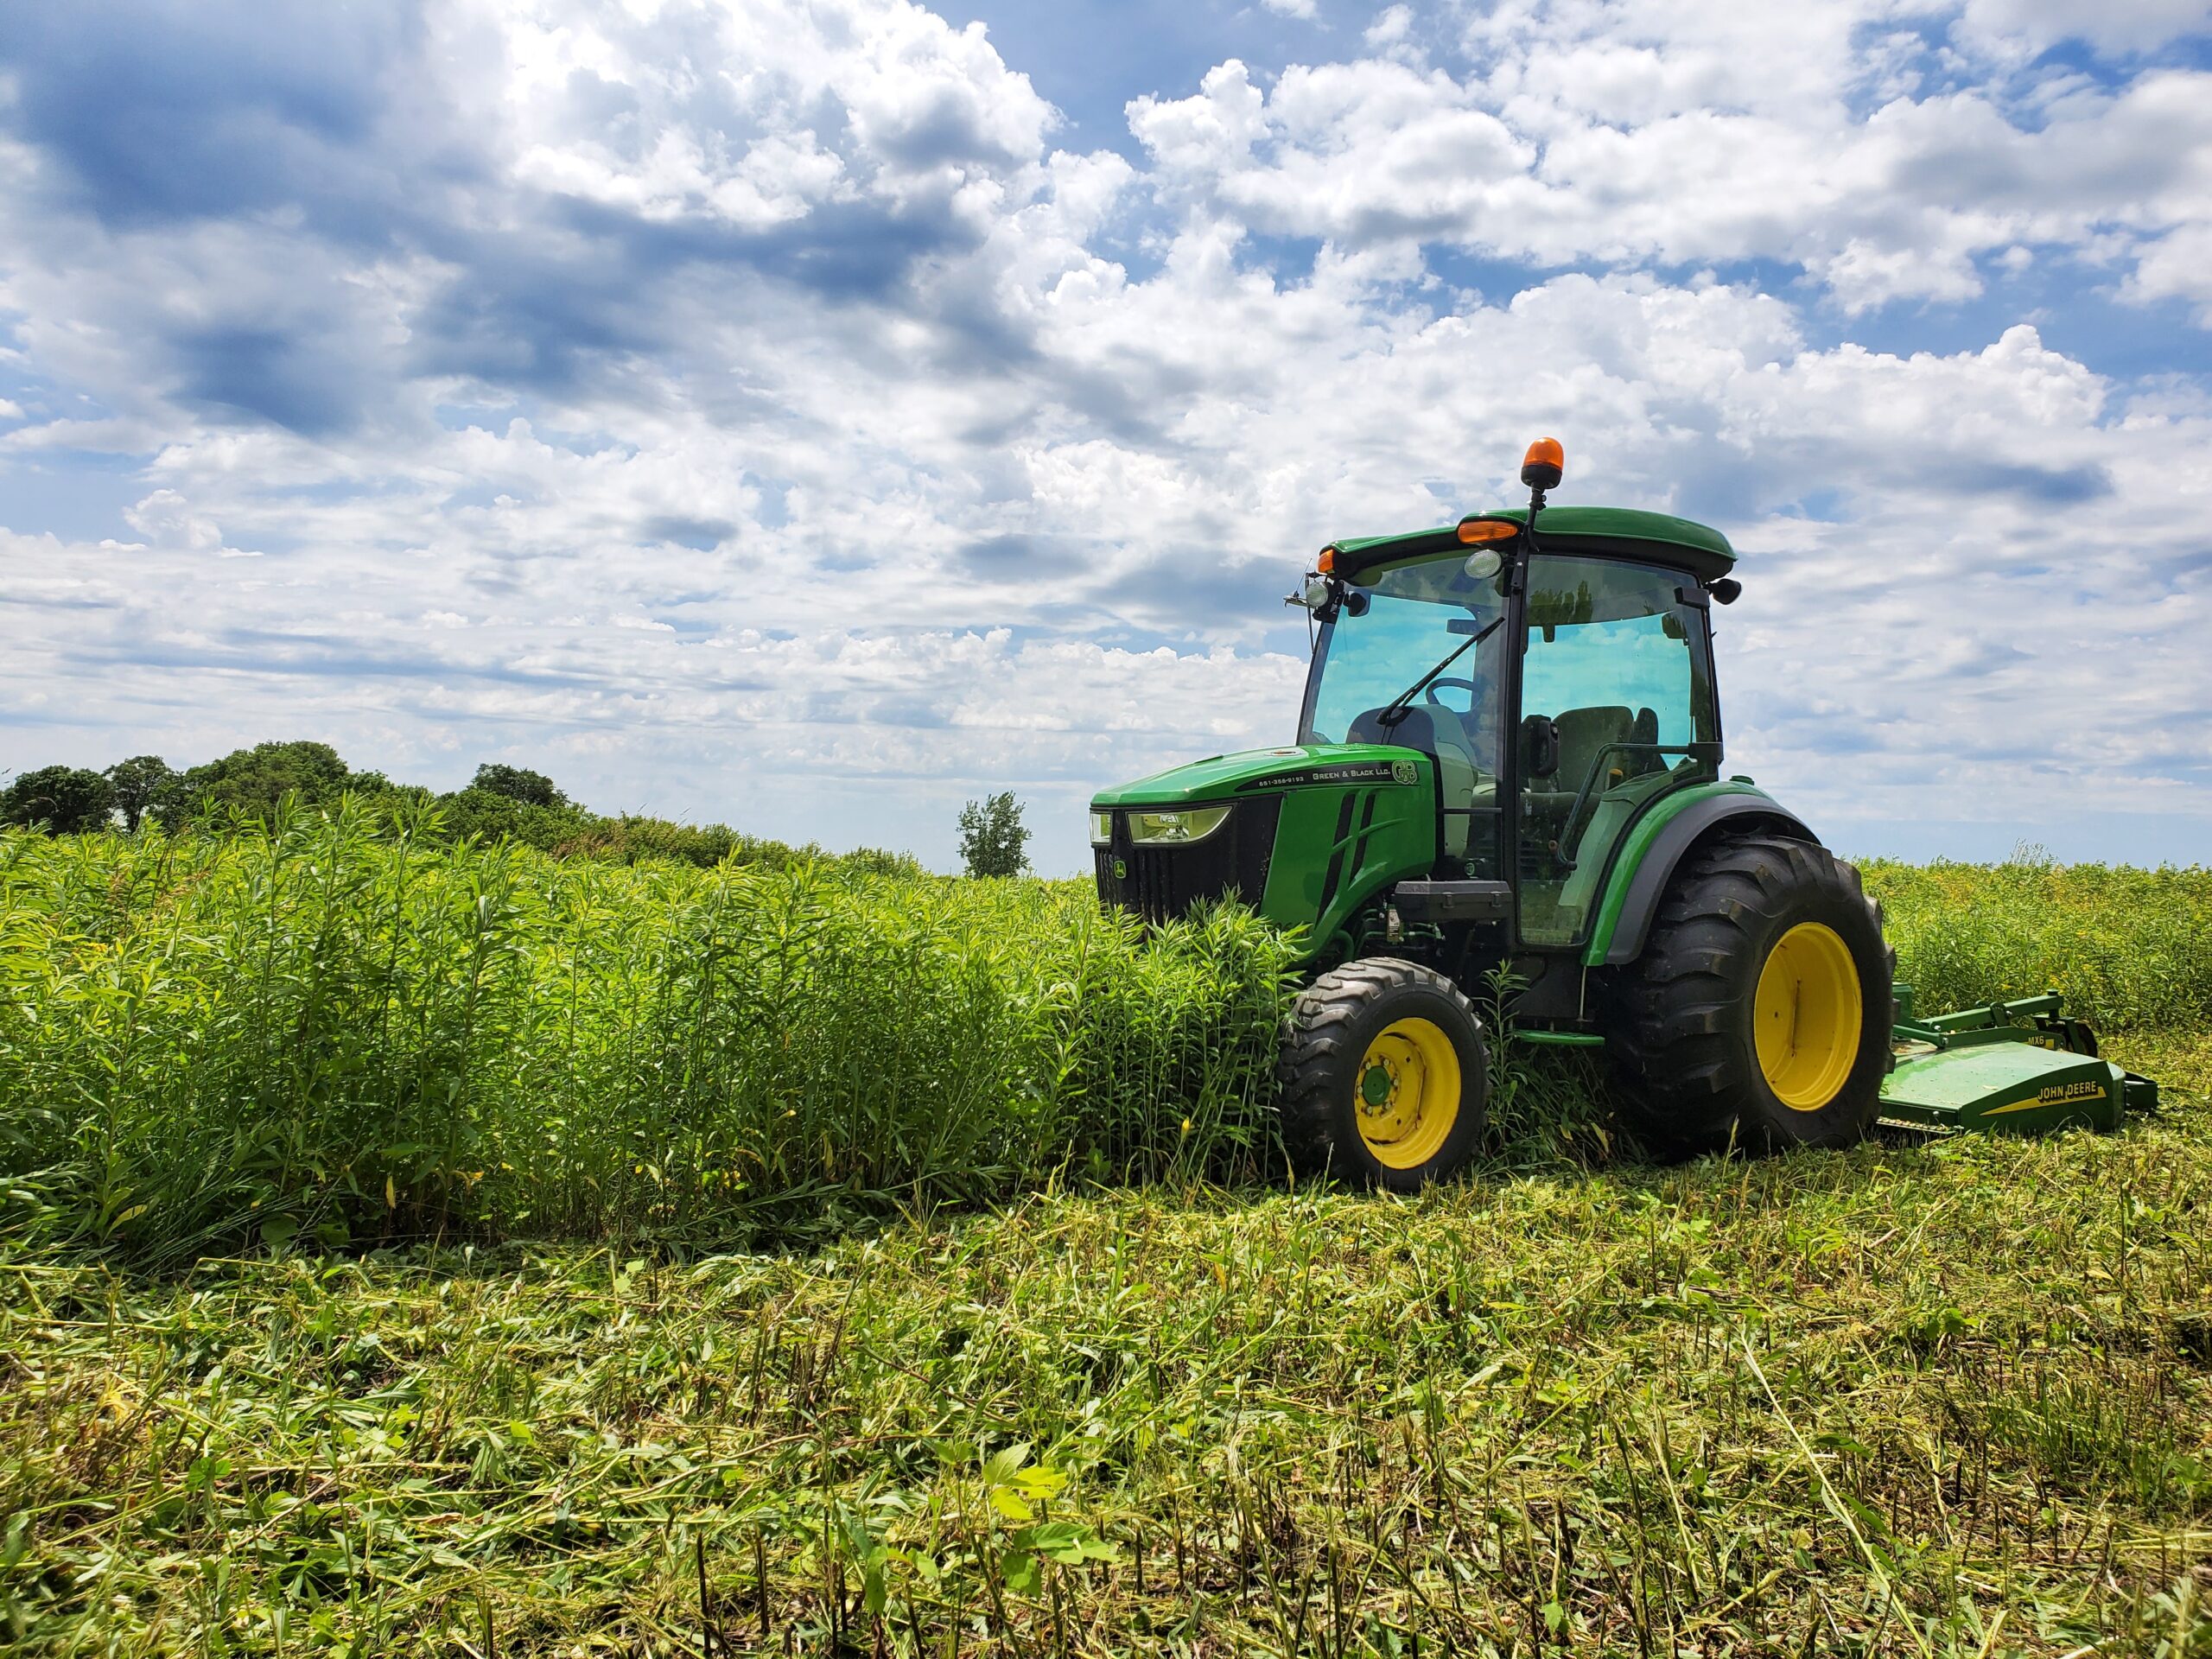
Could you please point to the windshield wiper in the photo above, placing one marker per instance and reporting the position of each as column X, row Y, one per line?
column 1394, row 710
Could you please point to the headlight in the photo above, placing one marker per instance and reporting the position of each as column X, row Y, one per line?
column 1102, row 829
column 1194, row 825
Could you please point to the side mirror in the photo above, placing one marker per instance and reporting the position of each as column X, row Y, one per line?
column 1539, row 747
column 1725, row 590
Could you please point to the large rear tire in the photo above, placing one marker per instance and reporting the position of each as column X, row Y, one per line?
column 1384, row 1075
column 1759, row 1013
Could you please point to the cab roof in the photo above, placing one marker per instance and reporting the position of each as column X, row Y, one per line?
column 1626, row 532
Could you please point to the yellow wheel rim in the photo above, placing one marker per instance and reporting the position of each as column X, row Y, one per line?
column 1408, row 1093
column 1806, row 1016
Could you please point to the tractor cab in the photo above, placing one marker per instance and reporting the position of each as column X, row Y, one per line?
column 1558, row 695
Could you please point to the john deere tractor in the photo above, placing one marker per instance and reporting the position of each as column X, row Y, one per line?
column 1509, row 772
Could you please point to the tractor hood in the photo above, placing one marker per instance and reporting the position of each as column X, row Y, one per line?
column 1251, row 772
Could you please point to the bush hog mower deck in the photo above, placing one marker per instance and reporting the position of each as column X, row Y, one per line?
column 1510, row 757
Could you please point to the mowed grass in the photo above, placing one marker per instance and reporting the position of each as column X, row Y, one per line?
column 1948, row 1400
column 407, row 1249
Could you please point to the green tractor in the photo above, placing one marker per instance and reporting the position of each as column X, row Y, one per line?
column 1509, row 769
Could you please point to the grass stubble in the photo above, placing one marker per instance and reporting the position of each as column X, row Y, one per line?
column 1951, row 1398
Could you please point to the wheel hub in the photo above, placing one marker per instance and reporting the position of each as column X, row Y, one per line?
column 1807, row 1015
column 1408, row 1093
column 1386, row 1111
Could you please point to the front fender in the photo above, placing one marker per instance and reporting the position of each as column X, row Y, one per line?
column 1658, row 843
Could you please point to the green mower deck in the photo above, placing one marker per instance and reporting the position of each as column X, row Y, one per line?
column 2011, row 1068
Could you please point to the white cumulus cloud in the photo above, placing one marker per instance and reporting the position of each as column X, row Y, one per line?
column 771, row 412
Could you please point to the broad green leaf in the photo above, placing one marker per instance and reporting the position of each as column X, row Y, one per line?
column 1018, row 1568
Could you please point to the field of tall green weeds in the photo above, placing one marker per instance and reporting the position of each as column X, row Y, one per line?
column 339, row 1032
column 2130, row 948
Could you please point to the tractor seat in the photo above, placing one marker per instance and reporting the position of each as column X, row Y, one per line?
column 1645, row 729
column 1413, row 729
column 1446, row 741
column 1417, row 728
column 1583, row 733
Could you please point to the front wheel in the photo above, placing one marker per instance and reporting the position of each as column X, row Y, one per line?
column 1384, row 1075
column 1760, row 1010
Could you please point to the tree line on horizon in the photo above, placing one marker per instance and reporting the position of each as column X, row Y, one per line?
column 500, row 803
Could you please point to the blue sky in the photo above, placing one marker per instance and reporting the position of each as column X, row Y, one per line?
column 810, row 416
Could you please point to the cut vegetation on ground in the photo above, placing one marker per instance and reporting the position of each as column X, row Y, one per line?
column 414, row 1248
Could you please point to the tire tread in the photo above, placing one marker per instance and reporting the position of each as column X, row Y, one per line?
column 1674, row 1043
column 1308, row 1068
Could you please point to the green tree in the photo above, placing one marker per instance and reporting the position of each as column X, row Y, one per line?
column 993, row 838
column 65, row 800
column 487, row 815
column 252, row 781
column 139, row 783
column 519, row 783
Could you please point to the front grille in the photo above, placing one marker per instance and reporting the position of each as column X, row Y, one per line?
column 1161, row 881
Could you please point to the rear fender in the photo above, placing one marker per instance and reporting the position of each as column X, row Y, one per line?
column 1675, row 826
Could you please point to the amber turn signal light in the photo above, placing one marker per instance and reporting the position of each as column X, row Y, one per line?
column 1327, row 561
column 1472, row 530
column 1544, row 465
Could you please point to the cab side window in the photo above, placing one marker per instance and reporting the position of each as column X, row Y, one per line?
column 1618, row 664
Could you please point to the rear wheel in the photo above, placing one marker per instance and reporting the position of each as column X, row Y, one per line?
column 1761, row 1008
column 1382, row 1075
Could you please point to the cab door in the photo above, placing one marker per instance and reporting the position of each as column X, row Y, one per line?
column 1616, row 710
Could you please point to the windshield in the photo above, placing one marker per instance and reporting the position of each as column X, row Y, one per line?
column 1416, row 615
